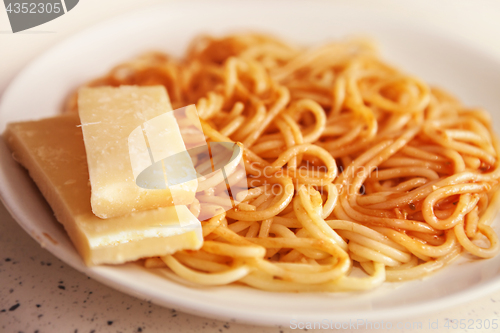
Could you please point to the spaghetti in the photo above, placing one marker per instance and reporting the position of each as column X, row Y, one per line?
column 350, row 162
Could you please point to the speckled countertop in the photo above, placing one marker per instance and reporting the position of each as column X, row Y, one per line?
column 39, row 293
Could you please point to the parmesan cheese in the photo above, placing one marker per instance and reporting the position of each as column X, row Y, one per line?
column 53, row 152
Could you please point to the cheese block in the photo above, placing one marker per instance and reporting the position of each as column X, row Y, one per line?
column 127, row 129
column 53, row 152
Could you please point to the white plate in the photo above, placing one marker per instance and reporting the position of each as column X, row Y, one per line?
column 41, row 87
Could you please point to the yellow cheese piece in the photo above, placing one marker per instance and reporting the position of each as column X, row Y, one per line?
column 53, row 152
column 112, row 119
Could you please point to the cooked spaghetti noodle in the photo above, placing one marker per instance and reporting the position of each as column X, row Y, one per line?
column 351, row 163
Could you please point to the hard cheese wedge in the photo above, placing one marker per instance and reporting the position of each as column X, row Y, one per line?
column 53, row 152
column 112, row 119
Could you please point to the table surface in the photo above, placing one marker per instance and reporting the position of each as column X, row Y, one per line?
column 39, row 293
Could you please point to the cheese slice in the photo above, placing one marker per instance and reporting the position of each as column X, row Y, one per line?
column 53, row 152
column 115, row 124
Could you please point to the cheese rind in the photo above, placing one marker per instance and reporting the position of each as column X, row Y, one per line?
column 53, row 152
column 110, row 120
